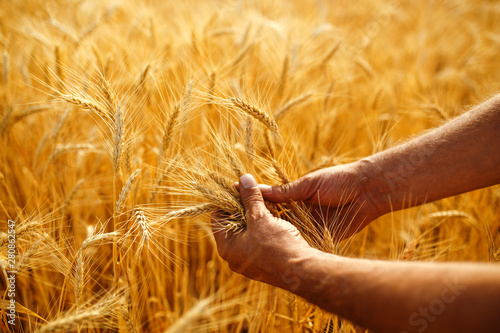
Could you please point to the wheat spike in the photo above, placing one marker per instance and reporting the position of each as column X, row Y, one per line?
column 193, row 314
column 245, row 35
column 59, row 66
column 232, row 159
column 71, row 322
column 71, row 196
column 117, row 143
column 109, row 93
column 78, row 277
column 142, row 78
column 241, row 55
column 269, row 144
column 284, row 76
column 223, row 182
column 142, row 222
column 331, row 53
column 59, row 124
column 169, row 128
column 249, row 146
column 365, row 65
column 280, row 172
column 86, row 104
column 63, row 149
column 99, row 239
column 256, row 113
column 292, row 103
column 122, row 199
column 211, row 88
column 26, row 257
column 87, row 32
column 190, row 211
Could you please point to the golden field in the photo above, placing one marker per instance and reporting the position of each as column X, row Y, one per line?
column 122, row 127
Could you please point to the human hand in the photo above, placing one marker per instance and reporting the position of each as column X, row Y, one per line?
column 268, row 246
column 337, row 197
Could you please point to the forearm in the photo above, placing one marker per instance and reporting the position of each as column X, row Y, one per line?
column 394, row 296
column 458, row 157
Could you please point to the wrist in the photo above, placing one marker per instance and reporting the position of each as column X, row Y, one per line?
column 375, row 186
column 316, row 275
column 302, row 275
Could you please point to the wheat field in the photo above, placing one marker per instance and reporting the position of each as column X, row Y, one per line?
column 123, row 124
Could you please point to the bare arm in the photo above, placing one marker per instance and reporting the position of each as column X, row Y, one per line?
column 383, row 296
column 460, row 156
column 403, row 297
column 457, row 157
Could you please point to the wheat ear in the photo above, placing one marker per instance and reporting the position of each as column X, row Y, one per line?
column 190, row 211
column 122, row 199
column 69, row 323
column 292, row 103
column 256, row 113
column 211, row 88
column 142, row 222
column 99, row 239
column 249, row 146
column 169, row 128
column 269, row 144
column 86, row 104
column 232, row 159
column 199, row 310
column 117, row 143
column 109, row 93
column 330, row 54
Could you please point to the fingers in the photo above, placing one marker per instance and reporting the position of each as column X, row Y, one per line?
column 251, row 198
column 218, row 231
column 298, row 190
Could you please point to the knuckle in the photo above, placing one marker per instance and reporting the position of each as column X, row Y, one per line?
column 286, row 189
column 234, row 267
column 255, row 215
column 252, row 199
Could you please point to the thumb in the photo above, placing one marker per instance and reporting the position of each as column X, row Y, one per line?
column 301, row 189
column 251, row 198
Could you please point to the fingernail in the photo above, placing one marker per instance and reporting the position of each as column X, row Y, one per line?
column 265, row 188
column 247, row 181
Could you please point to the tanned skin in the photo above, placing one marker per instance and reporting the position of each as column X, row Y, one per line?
column 385, row 296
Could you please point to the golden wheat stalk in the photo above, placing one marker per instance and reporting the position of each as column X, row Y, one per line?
column 142, row 223
column 190, row 211
column 223, row 182
column 232, row 159
column 170, row 126
column 256, row 113
column 199, row 310
column 249, row 145
column 86, row 104
column 291, row 104
column 269, row 144
column 284, row 76
column 72, row 322
column 124, row 194
column 117, row 142
column 100, row 239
